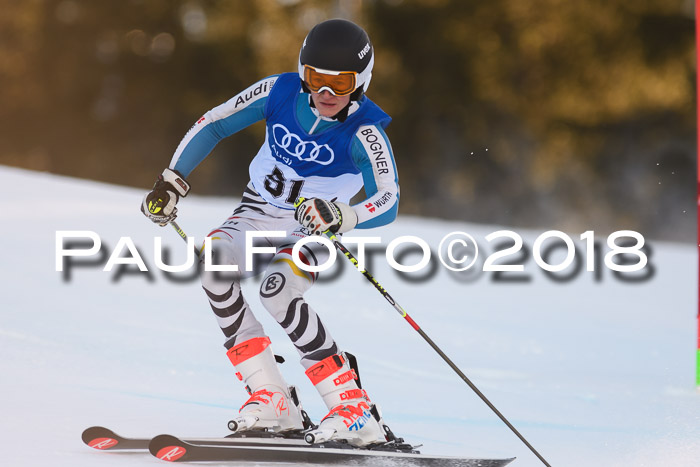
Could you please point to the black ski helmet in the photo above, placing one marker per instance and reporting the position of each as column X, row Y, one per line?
column 339, row 45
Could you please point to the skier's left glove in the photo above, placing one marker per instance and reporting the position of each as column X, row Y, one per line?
column 159, row 204
column 319, row 215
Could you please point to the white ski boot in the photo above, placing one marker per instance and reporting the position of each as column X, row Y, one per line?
column 272, row 406
column 352, row 417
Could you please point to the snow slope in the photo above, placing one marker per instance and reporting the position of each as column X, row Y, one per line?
column 593, row 373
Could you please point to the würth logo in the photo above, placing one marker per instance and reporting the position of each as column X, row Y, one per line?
column 370, row 207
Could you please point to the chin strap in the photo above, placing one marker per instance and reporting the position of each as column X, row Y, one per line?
column 343, row 114
column 354, row 97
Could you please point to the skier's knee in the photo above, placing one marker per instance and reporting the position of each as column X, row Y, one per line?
column 283, row 283
column 223, row 253
column 275, row 292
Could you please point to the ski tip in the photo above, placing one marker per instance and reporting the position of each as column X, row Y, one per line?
column 171, row 453
column 168, row 448
column 98, row 437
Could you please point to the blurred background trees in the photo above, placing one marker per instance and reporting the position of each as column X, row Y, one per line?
column 526, row 113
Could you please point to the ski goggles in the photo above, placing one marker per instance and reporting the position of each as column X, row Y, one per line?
column 339, row 83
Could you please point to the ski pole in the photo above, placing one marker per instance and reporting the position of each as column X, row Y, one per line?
column 183, row 236
column 420, row 331
column 179, row 231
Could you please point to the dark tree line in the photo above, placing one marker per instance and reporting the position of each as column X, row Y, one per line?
column 531, row 113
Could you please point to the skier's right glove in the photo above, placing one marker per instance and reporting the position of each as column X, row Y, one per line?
column 159, row 204
column 319, row 215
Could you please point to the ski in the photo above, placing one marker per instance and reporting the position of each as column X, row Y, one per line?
column 104, row 439
column 271, row 447
column 254, row 449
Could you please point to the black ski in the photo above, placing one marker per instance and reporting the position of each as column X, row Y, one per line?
column 102, row 438
column 253, row 449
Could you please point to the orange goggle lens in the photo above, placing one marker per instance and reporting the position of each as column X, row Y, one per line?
column 341, row 83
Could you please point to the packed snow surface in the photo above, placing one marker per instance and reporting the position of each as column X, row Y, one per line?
column 593, row 371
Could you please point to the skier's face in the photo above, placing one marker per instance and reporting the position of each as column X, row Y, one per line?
column 327, row 104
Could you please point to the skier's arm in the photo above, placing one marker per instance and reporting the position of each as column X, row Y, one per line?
column 373, row 156
column 240, row 111
column 371, row 153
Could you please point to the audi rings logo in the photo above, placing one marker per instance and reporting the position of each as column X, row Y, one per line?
column 302, row 150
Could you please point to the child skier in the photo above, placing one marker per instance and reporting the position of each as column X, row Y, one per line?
column 324, row 142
